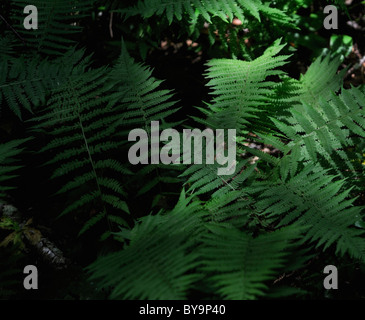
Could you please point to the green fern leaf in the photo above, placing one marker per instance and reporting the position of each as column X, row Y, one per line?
column 58, row 21
column 241, row 87
column 313, row 198
column 245, row 263
column 8, row 168
column 159, row 261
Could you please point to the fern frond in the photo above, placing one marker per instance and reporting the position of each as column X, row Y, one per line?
column 325, row 130
column 315, row 199
column 241, row 87
column 241, row 265
column 58, row 21
column 7, row 46
column 83, row 126
column 203, row 178
column 8, row 168
column 159, row 261
column 141, row 102
column 137, row 94
column 232, row 207
column 207, row 9
column 25, row 82
column 320, row 80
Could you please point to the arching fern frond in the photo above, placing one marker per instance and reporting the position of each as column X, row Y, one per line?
column 242, row 265
column 321, row 80
column 160, row 259
column 325, row 130
column 241, row 88
column 314, row 199
column 25, row 82
column 83, row 126
column 137, row 94
column 141, row 101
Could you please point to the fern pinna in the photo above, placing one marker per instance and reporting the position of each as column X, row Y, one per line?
column 9, row 165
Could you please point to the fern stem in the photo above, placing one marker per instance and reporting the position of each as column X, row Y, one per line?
column 90, row 158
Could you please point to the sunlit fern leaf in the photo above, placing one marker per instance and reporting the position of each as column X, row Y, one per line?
column 203, row 178
column 207, row 9
column 159, row 261
column 317, row 200
column 241, row 266
column 321, row 80
column 240, row 88
column 326, row 130
column 276, row 15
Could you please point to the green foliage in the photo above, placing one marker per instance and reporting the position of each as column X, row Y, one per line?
column 159, row 259
column 195, row 8
column 8, row 163
column 314, row 199
column 195, row 14
column 251, row 261
column 57, row 24
column 320, row 80
column 241, row 88
column 326, row 130
column 83, row 124
column 25, row 82
column 298, row 188
column 168, row 254
column 141, row 102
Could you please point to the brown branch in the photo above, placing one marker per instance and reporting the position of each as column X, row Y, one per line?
column 48, row 251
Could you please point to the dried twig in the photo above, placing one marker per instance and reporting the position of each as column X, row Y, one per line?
column 111, row 25
column 49, row 252
column 12, row 29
